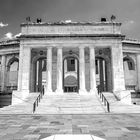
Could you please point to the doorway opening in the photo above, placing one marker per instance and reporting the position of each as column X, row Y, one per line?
column 40, row 74
column 101, row 74
column 70, row 74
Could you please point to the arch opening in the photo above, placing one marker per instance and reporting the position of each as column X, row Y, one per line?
column 101, row 74
column 129, row 73
column 70, row 74
column 39, row 74
column 12, row 74
column 128, row 63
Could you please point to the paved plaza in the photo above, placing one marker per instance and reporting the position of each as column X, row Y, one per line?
column 34, row 127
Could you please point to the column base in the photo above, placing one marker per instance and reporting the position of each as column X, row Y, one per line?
column 16, row 97
column 82, row 92
column 48, row 91
column 25, row 93
column 126, row 97
column 59, row 91
column 19, row 96
column 93, row 91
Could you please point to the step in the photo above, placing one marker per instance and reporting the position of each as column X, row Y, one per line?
column 69, row 104
column 25, row 107
column 119, row 107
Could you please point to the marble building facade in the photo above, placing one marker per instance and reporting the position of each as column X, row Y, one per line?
column 67, row 57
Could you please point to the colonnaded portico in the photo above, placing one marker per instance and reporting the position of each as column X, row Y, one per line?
column 70, row 57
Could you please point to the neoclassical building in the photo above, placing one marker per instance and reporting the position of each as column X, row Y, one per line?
column 66, row 57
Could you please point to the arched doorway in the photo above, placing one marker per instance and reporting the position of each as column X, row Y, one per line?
column 130, row 74
column 39, row 74
column 12, row 74
column 101, row 74
column 70, row 74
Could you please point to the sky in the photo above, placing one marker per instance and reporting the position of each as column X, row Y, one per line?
column 14, row 12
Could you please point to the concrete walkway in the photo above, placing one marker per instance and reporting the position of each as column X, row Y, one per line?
column 35, row 127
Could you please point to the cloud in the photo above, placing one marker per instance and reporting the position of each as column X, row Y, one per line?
column 9, row 35
column 17, row 35
column 3, row 25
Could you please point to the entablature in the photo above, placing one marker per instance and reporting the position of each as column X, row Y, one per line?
column 70, row 28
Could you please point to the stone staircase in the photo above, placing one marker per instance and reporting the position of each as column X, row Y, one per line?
column 25, row 107
column 70, row 103
column 119, row 107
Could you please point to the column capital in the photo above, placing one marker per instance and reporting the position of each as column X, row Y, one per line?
column 3, row 55
column 49, row 47
column 92, row 47
column 59, row 47
column 81, row 46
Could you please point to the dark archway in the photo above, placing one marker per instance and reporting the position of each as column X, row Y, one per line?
column 13, row 64
column 101, row 74
column 12, row 74
column 39, row 74
column 130, row 63
column 70, row 73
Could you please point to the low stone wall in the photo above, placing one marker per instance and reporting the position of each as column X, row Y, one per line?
column 5, row 99
column 135, row 97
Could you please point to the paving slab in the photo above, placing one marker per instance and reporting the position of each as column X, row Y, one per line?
column 105, row 126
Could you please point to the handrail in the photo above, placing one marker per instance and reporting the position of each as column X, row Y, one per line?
column 35, row 104
column 103, row 99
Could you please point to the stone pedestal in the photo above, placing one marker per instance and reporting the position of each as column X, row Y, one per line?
column 16, row 97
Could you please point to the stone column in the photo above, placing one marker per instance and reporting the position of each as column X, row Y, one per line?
column 17, row 95
column 101, row 75
column 26, row 72
column 34, row 76
column 82, row 89
column 117, row 68
column 118, row 74
column 92, row 71
column 20, row 68
column 49, row 71
column 40, row 76
column 59, row 71
column 138, row 71
column 3, row 73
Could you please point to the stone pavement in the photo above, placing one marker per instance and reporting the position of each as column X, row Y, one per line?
column 34, row 127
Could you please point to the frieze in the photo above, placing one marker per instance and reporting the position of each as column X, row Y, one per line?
column 70, row 29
